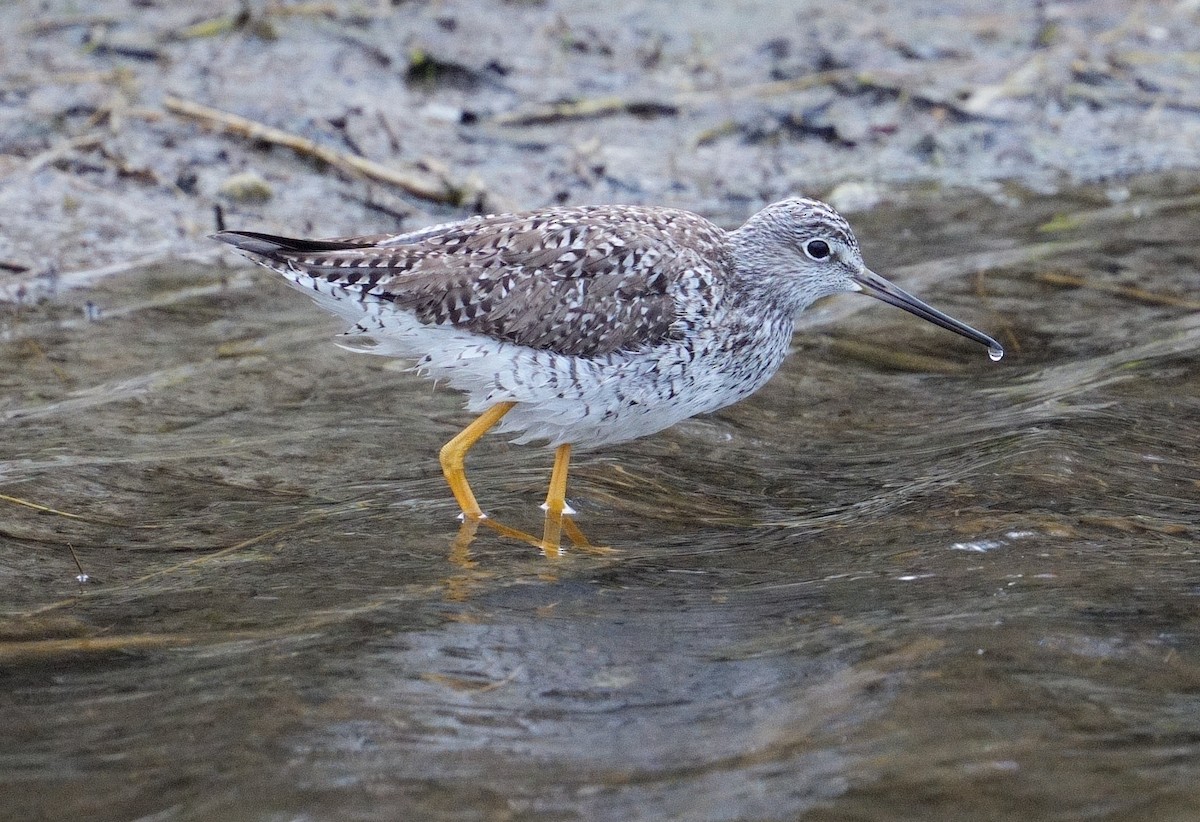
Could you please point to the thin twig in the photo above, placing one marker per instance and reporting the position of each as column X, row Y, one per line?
column 891, row 359
column 11, row 652
column 585, row 109
column 415, row 181
column 51, row 155
column 48, row 510
column 596, row 107
column 188, row 563
column 49, row 26
column 1128, row 292
column 232, row 549
column 83, row 575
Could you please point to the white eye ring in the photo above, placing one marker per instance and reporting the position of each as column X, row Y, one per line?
column 818, row 249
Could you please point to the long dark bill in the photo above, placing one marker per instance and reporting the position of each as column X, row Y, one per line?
column 881, row 289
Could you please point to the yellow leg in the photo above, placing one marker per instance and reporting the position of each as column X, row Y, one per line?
column 575, row 535
column 454, row 453
column 556, row 499
column 552, row 534
column 558, row 525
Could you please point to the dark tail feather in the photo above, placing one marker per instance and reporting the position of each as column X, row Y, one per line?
column 273, row 247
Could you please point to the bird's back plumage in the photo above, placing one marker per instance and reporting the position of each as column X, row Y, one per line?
column 573, row 281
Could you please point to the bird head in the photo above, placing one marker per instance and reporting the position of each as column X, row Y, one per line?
column 800, row 250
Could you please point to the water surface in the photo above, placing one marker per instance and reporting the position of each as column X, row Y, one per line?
column 900, row 582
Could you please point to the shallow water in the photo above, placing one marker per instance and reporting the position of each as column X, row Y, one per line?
column 899, row 582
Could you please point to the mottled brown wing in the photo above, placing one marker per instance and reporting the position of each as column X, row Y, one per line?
column 581, row 281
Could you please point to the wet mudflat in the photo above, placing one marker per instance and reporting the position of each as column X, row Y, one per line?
column 899, row 582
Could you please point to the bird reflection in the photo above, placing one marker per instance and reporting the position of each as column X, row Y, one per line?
column 555, row 526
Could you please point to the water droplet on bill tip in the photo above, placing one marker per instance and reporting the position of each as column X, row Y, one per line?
column 995, row 354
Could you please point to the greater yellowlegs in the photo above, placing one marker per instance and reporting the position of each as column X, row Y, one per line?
column 586, row 326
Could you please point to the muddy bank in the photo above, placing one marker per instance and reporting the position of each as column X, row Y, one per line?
column 123, row 128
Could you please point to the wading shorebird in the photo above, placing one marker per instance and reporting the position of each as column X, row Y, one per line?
column 587, row 326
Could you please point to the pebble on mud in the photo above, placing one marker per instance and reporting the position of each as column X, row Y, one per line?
column 246, row 187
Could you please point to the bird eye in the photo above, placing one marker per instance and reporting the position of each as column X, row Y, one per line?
column 817, row 249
